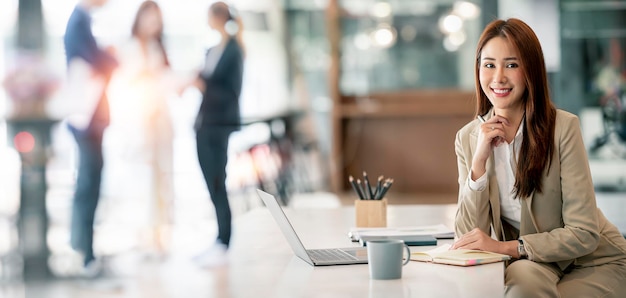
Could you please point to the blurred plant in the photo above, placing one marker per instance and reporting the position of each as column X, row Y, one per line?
column 29, row 83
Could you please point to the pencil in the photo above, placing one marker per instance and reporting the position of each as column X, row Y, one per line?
column 368, row 186
column 379, row 185
column 382, row 191
column 385, row 189
column 355, row 187
column 361, row 190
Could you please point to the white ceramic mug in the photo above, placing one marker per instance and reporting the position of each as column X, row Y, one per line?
column 385, row 258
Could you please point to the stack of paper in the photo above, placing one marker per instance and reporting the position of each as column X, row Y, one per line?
column 410, row 240
column 439, row 231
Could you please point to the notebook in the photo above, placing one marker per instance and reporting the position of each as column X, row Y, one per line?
column 459, row 257
column 315, row 257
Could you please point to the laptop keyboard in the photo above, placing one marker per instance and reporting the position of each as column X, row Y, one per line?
column 330, row 255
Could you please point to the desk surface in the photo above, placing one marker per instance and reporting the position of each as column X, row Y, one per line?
column 263, row 265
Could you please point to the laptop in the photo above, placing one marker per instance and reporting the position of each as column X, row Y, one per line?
column 315, row 257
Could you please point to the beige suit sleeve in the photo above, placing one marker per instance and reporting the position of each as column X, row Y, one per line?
column 579, row 235
column 473, row 206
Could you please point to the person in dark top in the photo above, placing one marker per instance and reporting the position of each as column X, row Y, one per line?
column 80, row 44
column 220, row 83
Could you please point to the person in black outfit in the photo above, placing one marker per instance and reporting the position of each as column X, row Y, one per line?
column 220, row 82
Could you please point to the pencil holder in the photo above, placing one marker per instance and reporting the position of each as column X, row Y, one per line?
column 371, row 213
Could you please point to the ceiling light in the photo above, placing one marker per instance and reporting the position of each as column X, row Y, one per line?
column 450, row 23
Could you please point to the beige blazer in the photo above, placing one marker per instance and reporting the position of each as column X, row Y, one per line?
column 562, row 224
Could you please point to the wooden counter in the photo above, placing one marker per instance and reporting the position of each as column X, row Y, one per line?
column 408, row 136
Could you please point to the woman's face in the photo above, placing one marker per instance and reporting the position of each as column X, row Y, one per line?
column 98, row 3
column 500, row 74
column 215, row 21
column 150, row 23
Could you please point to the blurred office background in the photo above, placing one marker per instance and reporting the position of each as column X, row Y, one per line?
column 331, row 88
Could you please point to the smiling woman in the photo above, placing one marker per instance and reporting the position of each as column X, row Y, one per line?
column 514, row 86
column 524, row 178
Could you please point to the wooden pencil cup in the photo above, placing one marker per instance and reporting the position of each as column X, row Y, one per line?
column 371, row 213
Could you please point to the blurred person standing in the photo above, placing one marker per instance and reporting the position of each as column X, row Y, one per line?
column 140, row 112
column 220, row 83
column 86, row 61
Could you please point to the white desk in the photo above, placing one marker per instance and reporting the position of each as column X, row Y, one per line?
column 263, row 265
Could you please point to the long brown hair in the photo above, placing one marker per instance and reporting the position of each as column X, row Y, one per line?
column 143, row 8
column 539, row 122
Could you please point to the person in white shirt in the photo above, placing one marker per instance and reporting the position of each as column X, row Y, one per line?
column 525, row 188
column 141, row 119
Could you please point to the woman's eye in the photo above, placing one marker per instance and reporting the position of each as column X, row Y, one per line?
column 512, row 65
column 489, row 65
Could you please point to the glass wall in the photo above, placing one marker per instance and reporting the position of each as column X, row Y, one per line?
column 389, row 45
column 593, row 83
column 386, row 46
column 407, row 45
